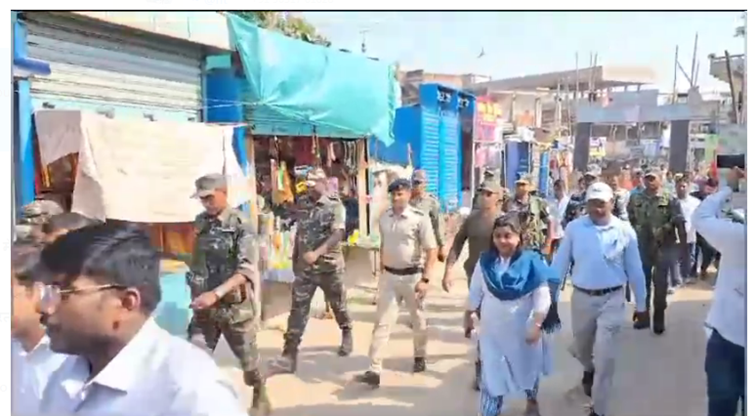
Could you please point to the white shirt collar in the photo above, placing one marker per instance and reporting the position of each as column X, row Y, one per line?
column 42, row 346
column 122, row 371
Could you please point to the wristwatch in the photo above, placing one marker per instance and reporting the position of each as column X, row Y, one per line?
column 424, row 280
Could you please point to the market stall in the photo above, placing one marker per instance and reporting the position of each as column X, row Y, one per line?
column 305, row 106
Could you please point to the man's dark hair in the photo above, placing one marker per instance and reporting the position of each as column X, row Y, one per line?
column 66, row 221
column 25, row 263
column 558, row 183
column 109, row 254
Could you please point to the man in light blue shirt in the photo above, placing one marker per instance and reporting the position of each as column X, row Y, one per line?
column 606, row 258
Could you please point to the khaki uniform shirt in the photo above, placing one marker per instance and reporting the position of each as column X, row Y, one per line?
column 405, row 237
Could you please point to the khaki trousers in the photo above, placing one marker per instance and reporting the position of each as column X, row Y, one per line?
column 392, row 290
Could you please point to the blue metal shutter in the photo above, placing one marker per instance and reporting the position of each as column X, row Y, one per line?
column 99, row 67
column 450, row 163
column 428, row 146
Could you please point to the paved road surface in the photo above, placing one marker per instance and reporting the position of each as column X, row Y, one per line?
column 656, row 375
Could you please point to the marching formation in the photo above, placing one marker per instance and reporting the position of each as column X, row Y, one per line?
column 85, row 342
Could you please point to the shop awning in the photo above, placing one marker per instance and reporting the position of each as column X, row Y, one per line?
column 26, row 67
column 321, row 87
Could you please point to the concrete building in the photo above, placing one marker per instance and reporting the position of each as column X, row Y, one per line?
column 718, row 70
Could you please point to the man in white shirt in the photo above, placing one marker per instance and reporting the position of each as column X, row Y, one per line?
column 104, row 288
column 682, row 271
column 32, row 359
column 557, row 208
column 725, row 353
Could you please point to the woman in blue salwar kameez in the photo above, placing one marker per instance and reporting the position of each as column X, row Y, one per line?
column 515, row 292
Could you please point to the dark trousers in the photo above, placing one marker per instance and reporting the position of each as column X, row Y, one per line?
column 725, row 371
column 301, row 300
column 706, row 254
column 657, row 264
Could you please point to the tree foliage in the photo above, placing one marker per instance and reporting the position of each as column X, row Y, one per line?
column 293, row 26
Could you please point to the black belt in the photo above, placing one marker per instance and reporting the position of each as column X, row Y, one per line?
column 403, row 272
column 598, row 292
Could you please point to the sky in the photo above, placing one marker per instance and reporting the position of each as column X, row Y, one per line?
column 525, row 43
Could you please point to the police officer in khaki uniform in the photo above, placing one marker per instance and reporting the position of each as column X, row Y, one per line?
column 408, row 252
column 223, row 279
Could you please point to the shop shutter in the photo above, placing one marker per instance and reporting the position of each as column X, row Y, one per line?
column 450, row 151
column 428, row 148
column 113, row 70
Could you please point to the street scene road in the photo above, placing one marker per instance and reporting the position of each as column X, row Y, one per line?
column 655, row 375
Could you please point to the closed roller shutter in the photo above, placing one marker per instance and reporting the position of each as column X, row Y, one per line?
column 109, row 69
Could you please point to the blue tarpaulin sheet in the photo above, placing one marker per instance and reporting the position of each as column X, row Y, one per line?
column 315, row 84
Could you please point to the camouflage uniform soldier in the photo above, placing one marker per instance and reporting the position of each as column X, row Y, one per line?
column 428, row 203
column 657, row 217
column 318, row 262
column 223, row 280
column 535, row 214
column 576, row 205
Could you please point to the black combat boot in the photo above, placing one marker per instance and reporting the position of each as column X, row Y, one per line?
column 369, row 378
column 477, row 375
column 347, row 343
column 285, row 364
column 659, row 322
column 419, row 364
column 260, row 399
column 587, row 380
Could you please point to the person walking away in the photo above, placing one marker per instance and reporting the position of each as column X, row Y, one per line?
column 606, row 259
column 105, row 287
column 224, row 278
column 428, row 203
column 408, row 253
column 557, row 209
column 705, row 252
column 512, row 287
column 682, row 269
column 33, row 362
column 476, row 229
column 725, row 324
column 657, row 218
column 318, row 262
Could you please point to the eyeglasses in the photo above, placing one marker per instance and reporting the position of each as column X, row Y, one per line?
column 53, row 295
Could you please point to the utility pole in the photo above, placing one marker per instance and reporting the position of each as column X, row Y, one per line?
column 694, row 64
column 676, row 70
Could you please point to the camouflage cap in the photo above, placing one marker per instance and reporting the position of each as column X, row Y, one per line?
column 490, row 185
column 419, row 176
column 208, row 184
column 523, row 178
column 593, row 171
column 39, row 211
column 653, row 171
column 315, row 175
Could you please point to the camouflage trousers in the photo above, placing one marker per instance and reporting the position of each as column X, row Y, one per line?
column 302, row 293
column 237, row 323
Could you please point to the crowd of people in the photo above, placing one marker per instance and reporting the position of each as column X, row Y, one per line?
column 85, row 341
